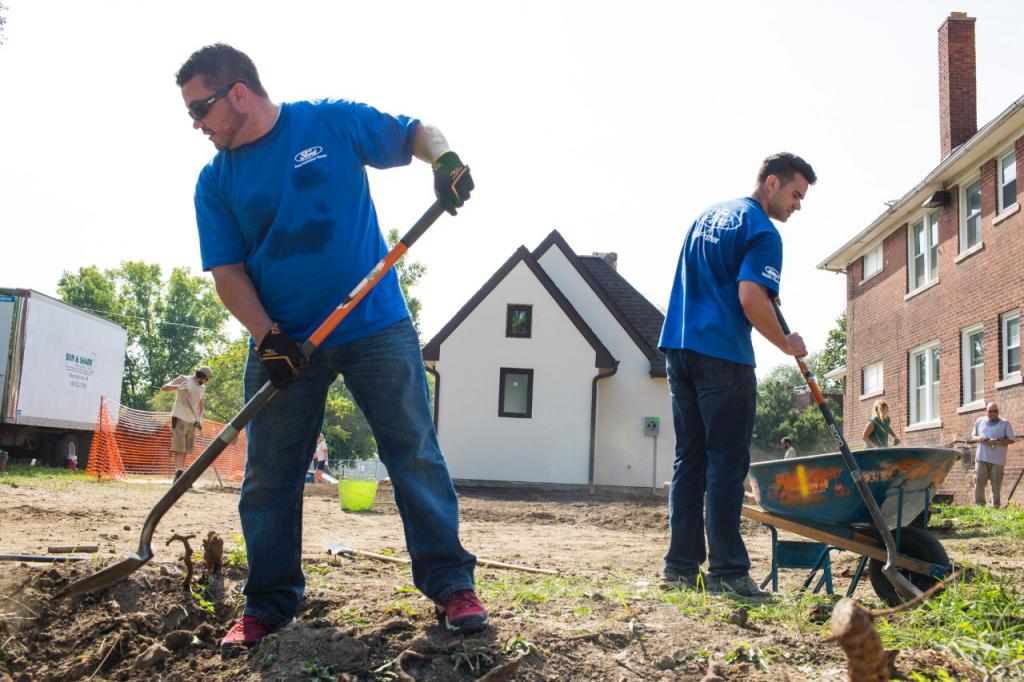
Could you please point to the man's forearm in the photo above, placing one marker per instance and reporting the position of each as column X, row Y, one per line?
column 429, row 143
column 238, row 293
column 759, row 311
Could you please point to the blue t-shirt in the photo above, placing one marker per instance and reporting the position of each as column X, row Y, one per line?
column 728, row 243
column 294, row 206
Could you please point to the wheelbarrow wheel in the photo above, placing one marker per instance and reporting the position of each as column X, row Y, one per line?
column 915, row 543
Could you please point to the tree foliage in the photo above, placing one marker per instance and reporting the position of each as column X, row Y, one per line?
column 173, row 326
column 777, row 398
column 3, row 21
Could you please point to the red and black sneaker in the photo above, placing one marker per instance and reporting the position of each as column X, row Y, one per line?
column 462, row 612
column 246, row 632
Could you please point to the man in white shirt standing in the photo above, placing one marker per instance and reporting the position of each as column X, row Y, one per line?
column 187, row 415
column 993, row 435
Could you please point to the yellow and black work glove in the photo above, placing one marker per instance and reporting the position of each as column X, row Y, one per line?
column 282, row 357
column 452, row 181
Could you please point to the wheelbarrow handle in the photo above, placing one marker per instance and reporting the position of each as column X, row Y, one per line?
column 898, row 580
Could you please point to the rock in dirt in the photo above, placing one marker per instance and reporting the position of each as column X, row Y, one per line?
column 150, row 657
column 716, row 673
column 666, row 663
column 174, row 617
column 739, row 617
column 178, row 639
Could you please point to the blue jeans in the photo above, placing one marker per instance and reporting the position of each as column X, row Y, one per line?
column 713, row 414
column 384, row 372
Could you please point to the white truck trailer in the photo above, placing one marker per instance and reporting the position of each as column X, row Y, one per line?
column 56, row 362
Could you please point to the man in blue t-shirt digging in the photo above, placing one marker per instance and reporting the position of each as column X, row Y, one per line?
column 728, row 272
column 287, row 228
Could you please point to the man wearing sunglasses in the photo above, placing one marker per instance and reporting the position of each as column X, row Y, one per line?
column 287, row 228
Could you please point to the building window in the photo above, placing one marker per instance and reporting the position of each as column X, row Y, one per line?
column 871, row 380
column 515, row 392
column 872, row 261
column 924, row 251
column 1007, row 181
column 970, row 216
column 519, row 321
column 1011, row 344
column 972, row 343
column 924, row 384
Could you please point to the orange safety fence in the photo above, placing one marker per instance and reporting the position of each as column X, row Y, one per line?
column 129, row 441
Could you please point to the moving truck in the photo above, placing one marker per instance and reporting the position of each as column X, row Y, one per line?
column 56, row 361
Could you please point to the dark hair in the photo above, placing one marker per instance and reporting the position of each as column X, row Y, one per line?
column 220, row 65
column 786, row 440
column 783, row 166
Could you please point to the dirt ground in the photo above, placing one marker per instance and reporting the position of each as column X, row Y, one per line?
column 360, row 615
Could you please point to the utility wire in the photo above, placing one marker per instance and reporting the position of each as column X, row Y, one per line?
column 105, row 313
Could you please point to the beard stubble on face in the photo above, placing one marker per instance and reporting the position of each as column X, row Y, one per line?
column 225, row 133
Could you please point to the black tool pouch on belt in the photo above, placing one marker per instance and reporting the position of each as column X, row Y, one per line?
column 174, row 423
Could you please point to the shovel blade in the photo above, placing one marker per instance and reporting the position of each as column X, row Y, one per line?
column 105, row 578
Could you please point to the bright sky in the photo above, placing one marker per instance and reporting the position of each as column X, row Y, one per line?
column 615, row 123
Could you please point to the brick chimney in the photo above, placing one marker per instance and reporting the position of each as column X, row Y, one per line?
column 611, row 258
column 958, row 101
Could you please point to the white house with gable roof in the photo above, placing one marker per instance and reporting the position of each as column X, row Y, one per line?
column 549, row 375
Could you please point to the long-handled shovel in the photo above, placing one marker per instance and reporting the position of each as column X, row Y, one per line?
column 898, row 580
column 124, row 568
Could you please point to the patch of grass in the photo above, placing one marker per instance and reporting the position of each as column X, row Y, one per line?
column 475, row 660
column 350, row 616
column 981, row 622
column 982, row 521
column 236, row 557
column 518, row 646
column 524, row 589
column 201, row 594
column 317, row 672
column 399, row 608
column 51, row 478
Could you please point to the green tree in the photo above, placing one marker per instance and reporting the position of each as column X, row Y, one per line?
column 832, row 357
column 172, row 327
column 409, row 274
column 346, row 431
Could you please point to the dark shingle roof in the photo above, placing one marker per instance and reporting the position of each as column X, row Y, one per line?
column 638, row 316
column 635, row 308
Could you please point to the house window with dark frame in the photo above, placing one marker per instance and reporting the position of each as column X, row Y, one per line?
column 515, row 392
column 519, row 321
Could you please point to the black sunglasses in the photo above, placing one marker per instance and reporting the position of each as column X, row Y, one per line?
column 200, row 108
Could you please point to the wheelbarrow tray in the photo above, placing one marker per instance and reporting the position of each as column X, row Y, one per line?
column 820, row 491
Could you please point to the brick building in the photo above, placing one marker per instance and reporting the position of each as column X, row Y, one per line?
column 934, row 287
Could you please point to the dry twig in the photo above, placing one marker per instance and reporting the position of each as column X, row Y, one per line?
column 188, row 556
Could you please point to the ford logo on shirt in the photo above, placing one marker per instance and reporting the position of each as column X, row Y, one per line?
column 770, row 273
column 308, row 154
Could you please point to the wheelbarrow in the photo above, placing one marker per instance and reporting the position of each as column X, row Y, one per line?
column 901, row 570
column 816, row 497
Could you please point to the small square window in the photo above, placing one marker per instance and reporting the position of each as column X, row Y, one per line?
column 519, row 321
column 872, row 379
column 872, row 261
column 515, row 392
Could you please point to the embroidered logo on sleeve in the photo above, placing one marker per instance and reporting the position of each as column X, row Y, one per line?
column 309, row 155
column 771, row 273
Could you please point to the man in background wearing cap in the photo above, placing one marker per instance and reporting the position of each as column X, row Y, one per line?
column 187, row 415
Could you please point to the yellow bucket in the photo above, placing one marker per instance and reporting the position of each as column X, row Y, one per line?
column 357, row 495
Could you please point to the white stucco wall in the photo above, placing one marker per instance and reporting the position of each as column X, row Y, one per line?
column 553, row 445
column 624, row 456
